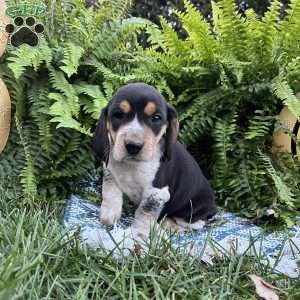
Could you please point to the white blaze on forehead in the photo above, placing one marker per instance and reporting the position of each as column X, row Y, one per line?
column 132, row 132
column 133, row 127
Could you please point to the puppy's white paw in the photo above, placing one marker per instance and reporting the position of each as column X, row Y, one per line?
column 140, row 234
column 144, row 234
column 109, row 215
column 160, row 195
column 170, row 225
column 190, row 226
column 198, row 225
column 164, row 194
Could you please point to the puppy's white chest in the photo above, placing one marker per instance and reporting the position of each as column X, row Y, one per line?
column 133, row 178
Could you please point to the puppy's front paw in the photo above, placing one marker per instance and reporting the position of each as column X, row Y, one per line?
column 164, row 194
column 109, row 215
column 161, row 195
column 140, row 234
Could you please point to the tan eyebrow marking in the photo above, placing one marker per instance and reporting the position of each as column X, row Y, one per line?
column 125, row 106
column 150, row 108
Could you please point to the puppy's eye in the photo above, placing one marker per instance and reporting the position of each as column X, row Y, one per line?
column 118, row 115
column 156, row 118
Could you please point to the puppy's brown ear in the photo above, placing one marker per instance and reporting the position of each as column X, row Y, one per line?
column 100, row 141
column 172, row 131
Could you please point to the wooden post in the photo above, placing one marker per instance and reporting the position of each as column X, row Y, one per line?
column 5, row 103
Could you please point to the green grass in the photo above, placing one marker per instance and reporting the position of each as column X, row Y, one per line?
column 36, row 263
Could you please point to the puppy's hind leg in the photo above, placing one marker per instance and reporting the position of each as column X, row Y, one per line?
column 189, row 226
column 170, row 225
column 112, row 200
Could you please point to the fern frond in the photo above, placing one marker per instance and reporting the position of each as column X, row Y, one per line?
column 115, row 36
column 72, row 54
column 260, row 126
column 290, row 28
column 247, row 185
column 26, row 56
column 95, row 102
column 118, row 9
column 230, row 28
column 269, row 33
column 284, row 92
column 68, row 148
column 164, row 63
column 111, row 79
column 171, row 42
column 284, row 192
column 28, row 173
column 40, row 106
column 155, row 36
column 224, row 134
column 196, row 120
column 199, row 32
column 60, row 83
column 62, row 115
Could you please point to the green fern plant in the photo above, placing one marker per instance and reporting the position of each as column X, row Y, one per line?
column 224, row 132
column 59, row 88
column 285, row 194
column 228, row 80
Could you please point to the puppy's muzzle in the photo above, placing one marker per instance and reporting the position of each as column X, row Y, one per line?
column 133, row 148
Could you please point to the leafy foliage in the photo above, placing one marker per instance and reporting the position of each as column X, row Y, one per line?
column 152, row 9
column 229, row 79
column 59, row 88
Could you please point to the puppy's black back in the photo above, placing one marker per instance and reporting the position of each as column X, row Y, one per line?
column 192, row 198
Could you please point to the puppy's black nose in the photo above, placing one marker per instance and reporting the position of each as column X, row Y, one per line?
column 133, row 149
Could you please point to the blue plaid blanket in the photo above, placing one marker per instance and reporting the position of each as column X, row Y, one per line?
column 227, row 232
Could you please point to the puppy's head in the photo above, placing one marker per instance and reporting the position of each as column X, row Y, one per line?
column 136, row 121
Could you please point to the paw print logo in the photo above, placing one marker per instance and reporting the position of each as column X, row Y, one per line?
column 24, row 31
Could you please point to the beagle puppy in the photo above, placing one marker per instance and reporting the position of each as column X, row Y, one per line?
column 136, row 139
